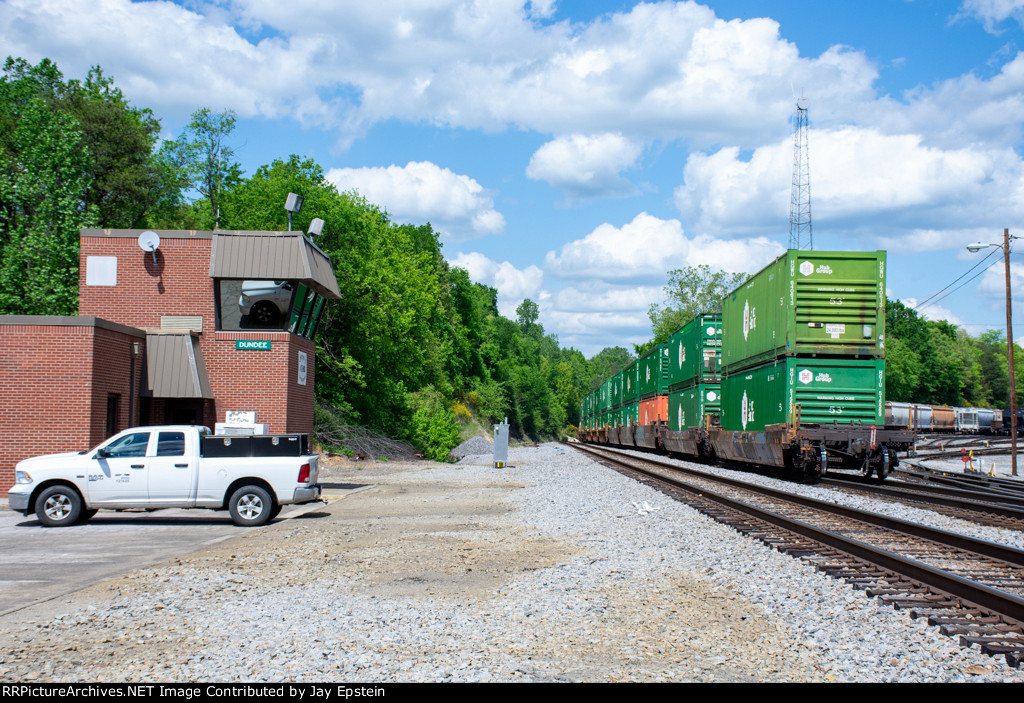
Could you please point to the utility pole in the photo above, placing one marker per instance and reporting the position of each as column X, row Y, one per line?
column 1005, row 246
column 1009, row 348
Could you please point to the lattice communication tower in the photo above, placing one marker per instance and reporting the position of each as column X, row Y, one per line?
column 801, row 234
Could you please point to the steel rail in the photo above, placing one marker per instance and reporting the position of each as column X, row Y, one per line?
column 992, row 550
column 969, row 592
column 1005, row 486
column 934, row 495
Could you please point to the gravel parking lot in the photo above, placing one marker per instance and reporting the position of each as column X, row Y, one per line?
column 555, row 569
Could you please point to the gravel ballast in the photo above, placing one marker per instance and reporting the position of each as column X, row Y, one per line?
column 554, row 569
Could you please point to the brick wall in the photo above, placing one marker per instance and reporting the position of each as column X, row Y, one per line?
column 264, row 381
column 179, row 284
column 56, row 375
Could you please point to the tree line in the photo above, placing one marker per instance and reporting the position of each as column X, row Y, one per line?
column 413, row 349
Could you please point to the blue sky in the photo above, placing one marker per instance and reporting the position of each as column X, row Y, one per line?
column 574, row 152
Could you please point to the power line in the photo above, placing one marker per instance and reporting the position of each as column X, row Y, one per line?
column 937, row 300
column 924, row 302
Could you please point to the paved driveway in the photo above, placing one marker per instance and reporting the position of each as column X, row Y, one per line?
column 38, row 563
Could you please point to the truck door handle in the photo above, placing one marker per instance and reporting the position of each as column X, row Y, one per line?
column 181, row 466
column 138, row 466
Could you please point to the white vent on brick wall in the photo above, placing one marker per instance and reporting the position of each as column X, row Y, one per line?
column 193, row 323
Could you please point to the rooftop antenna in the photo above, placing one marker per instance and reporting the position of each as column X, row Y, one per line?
column 149, row 241
column 801, row 234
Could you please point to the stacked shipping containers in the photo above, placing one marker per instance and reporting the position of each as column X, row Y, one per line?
column 630, row 395
column 695, row 352
column 616, row 400
column 652, row 385
column 804, row 342
column 604, row 403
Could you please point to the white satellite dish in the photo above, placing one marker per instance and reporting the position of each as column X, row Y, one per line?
column 149, row 241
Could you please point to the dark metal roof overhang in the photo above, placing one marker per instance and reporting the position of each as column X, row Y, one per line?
column 273, row 256
column 174, row 366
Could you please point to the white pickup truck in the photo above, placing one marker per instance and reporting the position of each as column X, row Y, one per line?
column 174, row 466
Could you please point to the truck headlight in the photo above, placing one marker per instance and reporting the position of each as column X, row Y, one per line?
column 22, row 477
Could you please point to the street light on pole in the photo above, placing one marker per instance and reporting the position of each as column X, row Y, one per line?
column 1005, row 246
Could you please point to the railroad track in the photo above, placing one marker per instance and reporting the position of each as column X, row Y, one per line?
column 972, row 481
column 969, row 588
column 971, row 503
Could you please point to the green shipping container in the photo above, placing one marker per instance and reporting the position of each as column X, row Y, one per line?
column 827, row 390
column 695, row 352
column 629, row 385
column 630, row 414
column 652, row 372
column 604, row 397
column 805, row 303
column 688, row 406
column 616, row 390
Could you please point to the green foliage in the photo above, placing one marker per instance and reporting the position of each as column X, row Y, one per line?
column 690, row 292
column 127, row 182
column 527, row 314
column 605, row 364
column 43, row 179
column 72, row 155
column 937, row 363
column 203, row 160
column 494, row 405
column 902, row 367
column 432, row 427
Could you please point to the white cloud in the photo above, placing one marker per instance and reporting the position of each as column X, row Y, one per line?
column 935, row 312
column 456, row 205
column 667, row 69
column 513, row 285
column 599, row 296
column 992, row 290
column 657, row 71
column 586, row 166
column 957, row 111
column 593, row 331
column 592, row 315
column 644, row 249
column 617, row 273
column 542, row 8
column 992, row 12
column 862, row 181
column 166, row 56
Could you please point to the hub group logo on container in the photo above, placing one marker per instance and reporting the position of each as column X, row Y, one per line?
column 806, row 376
column 749, row 319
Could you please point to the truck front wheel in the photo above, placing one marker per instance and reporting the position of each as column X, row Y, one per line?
column 58, row 506
column 250, row 506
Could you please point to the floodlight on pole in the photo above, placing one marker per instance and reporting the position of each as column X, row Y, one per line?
column 316, row 226
column 293, row 204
